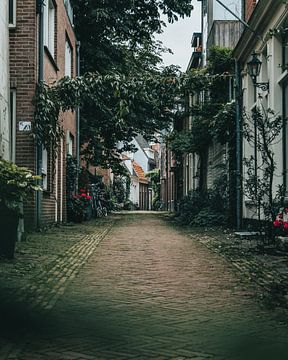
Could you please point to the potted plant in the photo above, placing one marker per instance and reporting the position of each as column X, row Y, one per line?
column 79, row 207
column 16, row 183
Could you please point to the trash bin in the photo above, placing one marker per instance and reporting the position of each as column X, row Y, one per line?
column 8, row 232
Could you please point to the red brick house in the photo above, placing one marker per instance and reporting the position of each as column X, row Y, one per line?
column 249, row 7
column 55, row 59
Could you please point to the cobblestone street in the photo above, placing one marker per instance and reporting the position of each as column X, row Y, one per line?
column 134, row 287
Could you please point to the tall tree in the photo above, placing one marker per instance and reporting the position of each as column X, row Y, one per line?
column 119, row 34
column 117, row 39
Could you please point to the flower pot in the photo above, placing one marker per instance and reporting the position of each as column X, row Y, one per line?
column 8, row 229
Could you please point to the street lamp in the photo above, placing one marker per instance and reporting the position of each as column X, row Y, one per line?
column 253, row 68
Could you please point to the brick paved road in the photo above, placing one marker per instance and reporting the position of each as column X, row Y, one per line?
column 149, row 292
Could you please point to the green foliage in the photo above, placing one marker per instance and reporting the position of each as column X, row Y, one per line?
column 47, row 129
column 213, row 117
column 75, row 209
column 191, row 205
column 154, row 177
column 16, row 184
column 206, row 208
column 71, row 174
column 195, row 140
column 128, row 205
column 118, row 35
column 220, row 60
column 116, row 109
column 119, row 189
column 128, row 94
column 79, row 206
column 180, row 142
column 258, row 185
column 223, row 125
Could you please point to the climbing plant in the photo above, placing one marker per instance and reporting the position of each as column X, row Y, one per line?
column 116, row 107
column 123, row 107
column 154, row 177
column 261, row 130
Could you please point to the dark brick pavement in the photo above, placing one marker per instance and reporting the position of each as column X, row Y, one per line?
column 145, row 292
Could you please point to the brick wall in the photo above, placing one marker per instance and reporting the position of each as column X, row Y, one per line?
column 249, row 7
column 23, row 77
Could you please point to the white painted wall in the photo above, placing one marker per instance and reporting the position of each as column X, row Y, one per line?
column 270, row 53
column 4, row 82
column 134, row 191
column 220, row 13
column 140, row 156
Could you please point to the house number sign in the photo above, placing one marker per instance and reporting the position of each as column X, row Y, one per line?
column 24, row 125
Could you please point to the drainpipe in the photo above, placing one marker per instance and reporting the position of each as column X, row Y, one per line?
column 238, row 147
column 167, row 179
column 78, row 45
column 40, row 10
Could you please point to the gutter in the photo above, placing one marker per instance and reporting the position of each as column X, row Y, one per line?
column 78, row 115
column 238, row 146
column 40, row 11
column 259, row 20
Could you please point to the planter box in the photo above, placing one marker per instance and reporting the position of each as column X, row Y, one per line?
column 8, row 229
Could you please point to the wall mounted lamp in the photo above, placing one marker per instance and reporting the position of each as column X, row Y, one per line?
column 253, row 69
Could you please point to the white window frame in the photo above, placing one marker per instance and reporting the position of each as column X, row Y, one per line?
column 49, row 26
column 44, row 170
column 69, row 10
column 69, row 143
column 12, row 124
column 12, row 24
column 68, row 58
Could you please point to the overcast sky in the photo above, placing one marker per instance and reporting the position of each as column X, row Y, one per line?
column 178, row 37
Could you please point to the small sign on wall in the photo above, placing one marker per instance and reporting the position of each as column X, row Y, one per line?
column 25, row 126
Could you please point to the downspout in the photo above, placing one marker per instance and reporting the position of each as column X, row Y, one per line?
column 40, row 10
column 167, row 178
column 78, row 45
column 238, row 147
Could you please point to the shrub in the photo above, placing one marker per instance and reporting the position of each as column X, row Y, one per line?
column 205, row 208
column 16, row 184
column 191, row 205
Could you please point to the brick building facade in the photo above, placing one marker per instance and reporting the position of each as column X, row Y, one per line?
column 59, row 60
column 249, row 7
column 5, row 145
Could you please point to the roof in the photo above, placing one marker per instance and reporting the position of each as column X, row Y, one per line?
column 139, row 172
column 125, row 157
column 143, row 143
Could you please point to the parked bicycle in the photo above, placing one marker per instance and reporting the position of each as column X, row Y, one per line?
column 98, row 201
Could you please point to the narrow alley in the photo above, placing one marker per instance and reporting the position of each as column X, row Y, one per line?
column 138, row 289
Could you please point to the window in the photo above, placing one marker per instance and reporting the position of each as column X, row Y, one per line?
column 49, row 26
column 12, row 129
column 69, row 143
column 68, row 59
column 69, row 10
column 44, row 171
column 12, row 13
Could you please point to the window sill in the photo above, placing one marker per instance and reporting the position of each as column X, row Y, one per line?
column 51, row 58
